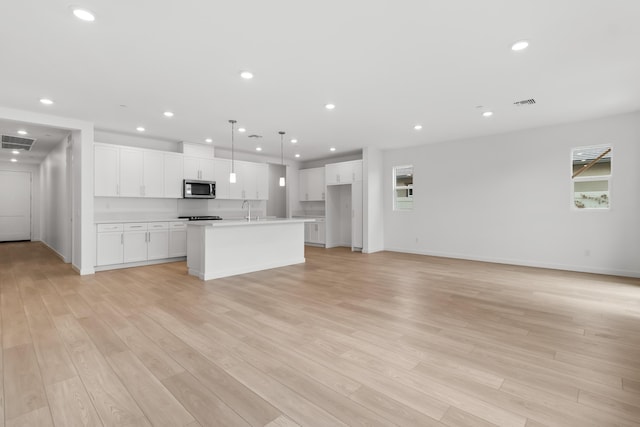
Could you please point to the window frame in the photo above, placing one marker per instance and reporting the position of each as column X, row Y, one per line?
column 608, row 178
column 394, row 201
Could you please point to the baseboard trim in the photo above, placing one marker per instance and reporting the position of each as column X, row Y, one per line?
column 58, row 254
column 138, row 264
column 551, row 266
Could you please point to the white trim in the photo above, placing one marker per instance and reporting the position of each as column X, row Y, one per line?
column 139, row 264
column 565, row 267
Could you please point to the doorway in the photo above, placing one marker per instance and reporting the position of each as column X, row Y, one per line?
column 15, row 209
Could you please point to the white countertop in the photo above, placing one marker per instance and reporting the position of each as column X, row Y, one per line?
column 126, row 219
column 244, row 222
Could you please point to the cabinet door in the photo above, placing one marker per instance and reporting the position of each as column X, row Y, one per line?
column 131, row 172
column 321, row 233
column 135, row 246
column 207, row 170
column 237, row 190
column 332, row 173
column 303, row 185
column 222, row 169
column 262, row 181
column 356, row 170
column 106, row 167
column 356, row 217
column 173, row 173
column 158, row 244
column 109, row 248
column 178, row 242
column 308, row 231
column 191, row 167
column 315, row 184
column 153, row 174
column 249, row 180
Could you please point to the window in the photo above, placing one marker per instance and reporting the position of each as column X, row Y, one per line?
column 403, row 188
column 591, row 175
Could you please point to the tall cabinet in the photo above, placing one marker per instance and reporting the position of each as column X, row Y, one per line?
column 344, row 205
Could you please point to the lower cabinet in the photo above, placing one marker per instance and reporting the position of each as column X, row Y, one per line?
column 177, row 239
column 139, row 242
column 314, row 232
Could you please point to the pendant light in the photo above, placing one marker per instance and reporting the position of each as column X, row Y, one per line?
column 232, row 175
column 282, row 183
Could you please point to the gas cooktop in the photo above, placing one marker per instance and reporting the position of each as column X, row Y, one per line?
column 201, row 218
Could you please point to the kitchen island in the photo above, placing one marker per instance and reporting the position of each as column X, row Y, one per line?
column 225, row 248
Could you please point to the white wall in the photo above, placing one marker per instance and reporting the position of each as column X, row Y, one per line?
column 35, row 193
column 373, row 205
column 507, row 198
column 277, row 203
column 55, row 200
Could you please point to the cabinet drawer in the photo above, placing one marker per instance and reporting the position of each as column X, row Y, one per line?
column 135, row 226
column 103, row 228
column 158, row 226
column 180, row 225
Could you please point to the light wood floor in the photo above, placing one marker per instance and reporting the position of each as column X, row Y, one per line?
column 346, row 339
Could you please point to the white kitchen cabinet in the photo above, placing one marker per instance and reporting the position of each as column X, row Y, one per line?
column 107, row 172
column 199, row 168
column 343, row 172
column 139, row 242
column 252, row 181
column 153, row 174
column 131, row 172
column 135, row 242
column 357, row 215
column 158, row 240
column 109, row 244
column 222, row 170
column 173, row 175
column 177, row 239
column 314, row 232
column 311, row 185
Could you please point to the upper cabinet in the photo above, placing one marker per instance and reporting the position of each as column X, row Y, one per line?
column 252, row 181
column 344, row 172
column 122, row 171
column 311, row 185
column 107, row 170
column 173, row 175
column 134, row 172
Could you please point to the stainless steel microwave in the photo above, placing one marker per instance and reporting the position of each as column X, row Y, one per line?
column 193, row 189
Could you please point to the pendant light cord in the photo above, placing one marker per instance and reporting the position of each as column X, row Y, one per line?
column 233, row 122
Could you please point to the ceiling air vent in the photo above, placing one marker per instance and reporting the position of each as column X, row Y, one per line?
column 255, row 136
column 17, row 143
column 524, row 102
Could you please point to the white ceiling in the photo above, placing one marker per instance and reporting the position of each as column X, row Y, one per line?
column 46, row 139
column 387, row 65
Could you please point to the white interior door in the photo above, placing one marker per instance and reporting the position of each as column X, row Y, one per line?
column 15, row 208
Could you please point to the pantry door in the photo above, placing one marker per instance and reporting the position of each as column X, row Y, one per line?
column 15, row 206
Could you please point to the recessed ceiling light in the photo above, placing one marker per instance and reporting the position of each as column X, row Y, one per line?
column 297, row 155
column 168, row 114
column 242, row 130
column 247, row 75
column 332, row 149
column 22, row 132
column 14, row 160
column 520, row 45
column 294, row 141
column 417, row 127
column 140, row 129
column 46, row 101
column 580, row 154
column 16, row 152
column 208, row 140
column 487, row 114
column 84, row 15
column 329, row 106
column 258, row 148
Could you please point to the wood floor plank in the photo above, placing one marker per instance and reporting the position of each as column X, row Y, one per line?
column 71, row 405
column 38, row 417
column 23, row 385
column 158, row 404
column 204, row 405
column 351, row 338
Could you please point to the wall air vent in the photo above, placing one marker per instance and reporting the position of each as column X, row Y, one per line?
column 524, row 102
column 17, row 143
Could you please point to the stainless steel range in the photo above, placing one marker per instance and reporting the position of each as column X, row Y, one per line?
column 201, row 218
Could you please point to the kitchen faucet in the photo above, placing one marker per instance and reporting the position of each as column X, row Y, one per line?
column 248, row 203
